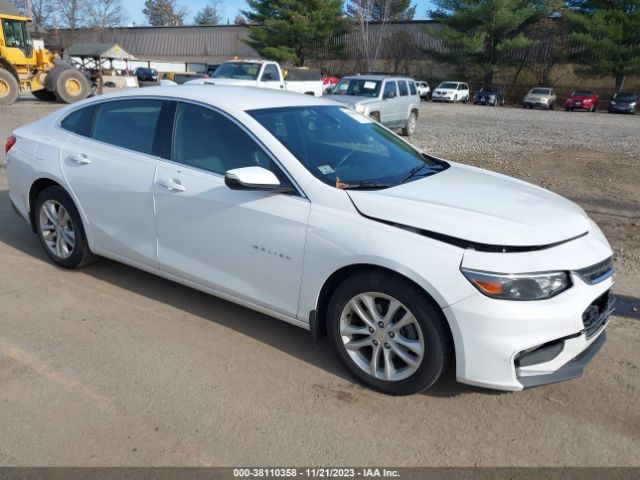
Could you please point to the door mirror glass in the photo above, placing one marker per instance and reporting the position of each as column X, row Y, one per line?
column 251, row 178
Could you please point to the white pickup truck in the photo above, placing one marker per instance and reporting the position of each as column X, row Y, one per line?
column 265, row 74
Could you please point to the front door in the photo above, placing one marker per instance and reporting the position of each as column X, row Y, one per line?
column 246, row 244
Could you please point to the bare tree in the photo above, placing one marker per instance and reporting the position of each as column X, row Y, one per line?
column 240, row 20
column 69, row 14
column 40, row 11
column 102, row 14
column 363, row 12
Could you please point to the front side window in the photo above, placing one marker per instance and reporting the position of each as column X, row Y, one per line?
column 390, row 88
column 344, row 149
column 412, row 88
column 17, row 35
column 206, row 139
column 128, row 123
column 238, row 70
column 358, row 87
column 404, row 91
column 271, row 73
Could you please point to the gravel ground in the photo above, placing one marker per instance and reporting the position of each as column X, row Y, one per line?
column 113, row 366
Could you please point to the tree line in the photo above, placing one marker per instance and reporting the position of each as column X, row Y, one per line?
column 477, row 38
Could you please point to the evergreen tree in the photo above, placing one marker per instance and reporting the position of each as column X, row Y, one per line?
column 609, row 34
column 164, row 13
column 209, row 15
column 476, row 34
column 293, row 30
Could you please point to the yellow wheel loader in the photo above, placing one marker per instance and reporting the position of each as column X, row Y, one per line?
column 25, row 69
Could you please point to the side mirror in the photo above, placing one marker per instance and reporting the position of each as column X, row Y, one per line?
column 388, row 95
column 251, row 178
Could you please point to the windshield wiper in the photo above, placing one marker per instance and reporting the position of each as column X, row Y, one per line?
column 367, row 185
column 416, row 170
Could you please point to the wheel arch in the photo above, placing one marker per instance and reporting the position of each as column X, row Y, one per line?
column 317, row 317
column 36, row 187
column 4, row 63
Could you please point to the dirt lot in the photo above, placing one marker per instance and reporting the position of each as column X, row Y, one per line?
column 112, row 366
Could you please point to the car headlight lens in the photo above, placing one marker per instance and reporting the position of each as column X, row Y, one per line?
column 525, row 286
column 613, row 102
column 360, row 108
column 632, row 105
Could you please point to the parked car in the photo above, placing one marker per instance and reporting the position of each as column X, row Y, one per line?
column 328, row 84
column 540, row 97
column 489, row 96
column 182, row 77
column 582, row 100
column 391, row 101
column 423, row 89
column 146, row 74
column 307, row 211
column 265, row 74
column 451, row 92
column 624, row 102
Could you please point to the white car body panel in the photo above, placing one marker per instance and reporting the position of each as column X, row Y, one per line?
column 274, row 253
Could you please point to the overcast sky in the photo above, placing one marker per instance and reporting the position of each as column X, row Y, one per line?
column 231, row 8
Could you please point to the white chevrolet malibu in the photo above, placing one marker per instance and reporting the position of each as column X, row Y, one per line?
column 304, row 210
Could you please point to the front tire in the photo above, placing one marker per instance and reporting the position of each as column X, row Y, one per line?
column 60, row 229
column 388, row 333
column 71, row 86
column 9, row 87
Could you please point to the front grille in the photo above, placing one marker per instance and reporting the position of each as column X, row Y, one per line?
column 597, row 314
column 598, row 272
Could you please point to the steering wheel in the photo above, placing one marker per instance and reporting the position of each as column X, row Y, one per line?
column 346, row 159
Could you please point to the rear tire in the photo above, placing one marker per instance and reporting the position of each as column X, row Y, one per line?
column 410, row 127
column 409, row 358
column 60, row 229
column 9, row 87
column 71, row 86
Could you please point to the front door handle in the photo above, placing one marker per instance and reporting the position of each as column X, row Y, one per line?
column 80, row 159
column 172, row 185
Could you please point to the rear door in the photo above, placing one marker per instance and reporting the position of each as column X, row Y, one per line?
column 391, row 114
column 246, row 244
column 110, row 168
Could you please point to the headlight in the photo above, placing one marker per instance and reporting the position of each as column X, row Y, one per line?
column 632, row 105
column 360, row 108
column 612, row 102
column 522, row 286
column 544, row 100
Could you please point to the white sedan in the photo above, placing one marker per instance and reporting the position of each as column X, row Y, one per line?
column 307, row 211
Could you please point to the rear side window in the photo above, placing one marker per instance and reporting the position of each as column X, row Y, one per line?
column 412, row 88
column 128, row 123
column 390, row 87
column 79, row 121
column 404, row 91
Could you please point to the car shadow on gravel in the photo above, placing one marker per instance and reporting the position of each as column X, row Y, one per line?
column 287, row 338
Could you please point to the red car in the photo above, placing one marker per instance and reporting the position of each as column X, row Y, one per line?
column 582, row 100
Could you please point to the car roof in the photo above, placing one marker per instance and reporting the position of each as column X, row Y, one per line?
column 376, row 77
column 224, row 97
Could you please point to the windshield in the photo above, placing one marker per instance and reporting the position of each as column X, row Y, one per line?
column 345, row 149
column 540, row 91
column 448, row 86
column 582, row 93
column 359, row 87
column 625, row 96
column 238, row 70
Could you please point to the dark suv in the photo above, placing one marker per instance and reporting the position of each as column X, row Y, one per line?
column 146, row 74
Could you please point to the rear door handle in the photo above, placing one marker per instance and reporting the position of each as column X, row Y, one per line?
column 172, row 185
column 80, row 159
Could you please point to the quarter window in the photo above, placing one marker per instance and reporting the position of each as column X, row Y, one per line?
column 208, row 140
column 128, row 123
column 80, row 121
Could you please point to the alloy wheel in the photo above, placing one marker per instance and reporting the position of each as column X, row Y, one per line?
column 381, row 336
column 57, row 229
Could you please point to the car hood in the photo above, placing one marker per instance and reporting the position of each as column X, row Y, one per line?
column 230, row 81
column 351, row 99
column 446, row 90
column 478, row 206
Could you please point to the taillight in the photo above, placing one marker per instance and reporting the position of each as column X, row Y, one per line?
column 11, row 141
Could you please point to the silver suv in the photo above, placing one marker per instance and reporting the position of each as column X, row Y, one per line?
column 541, row 97
column 392, row 101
